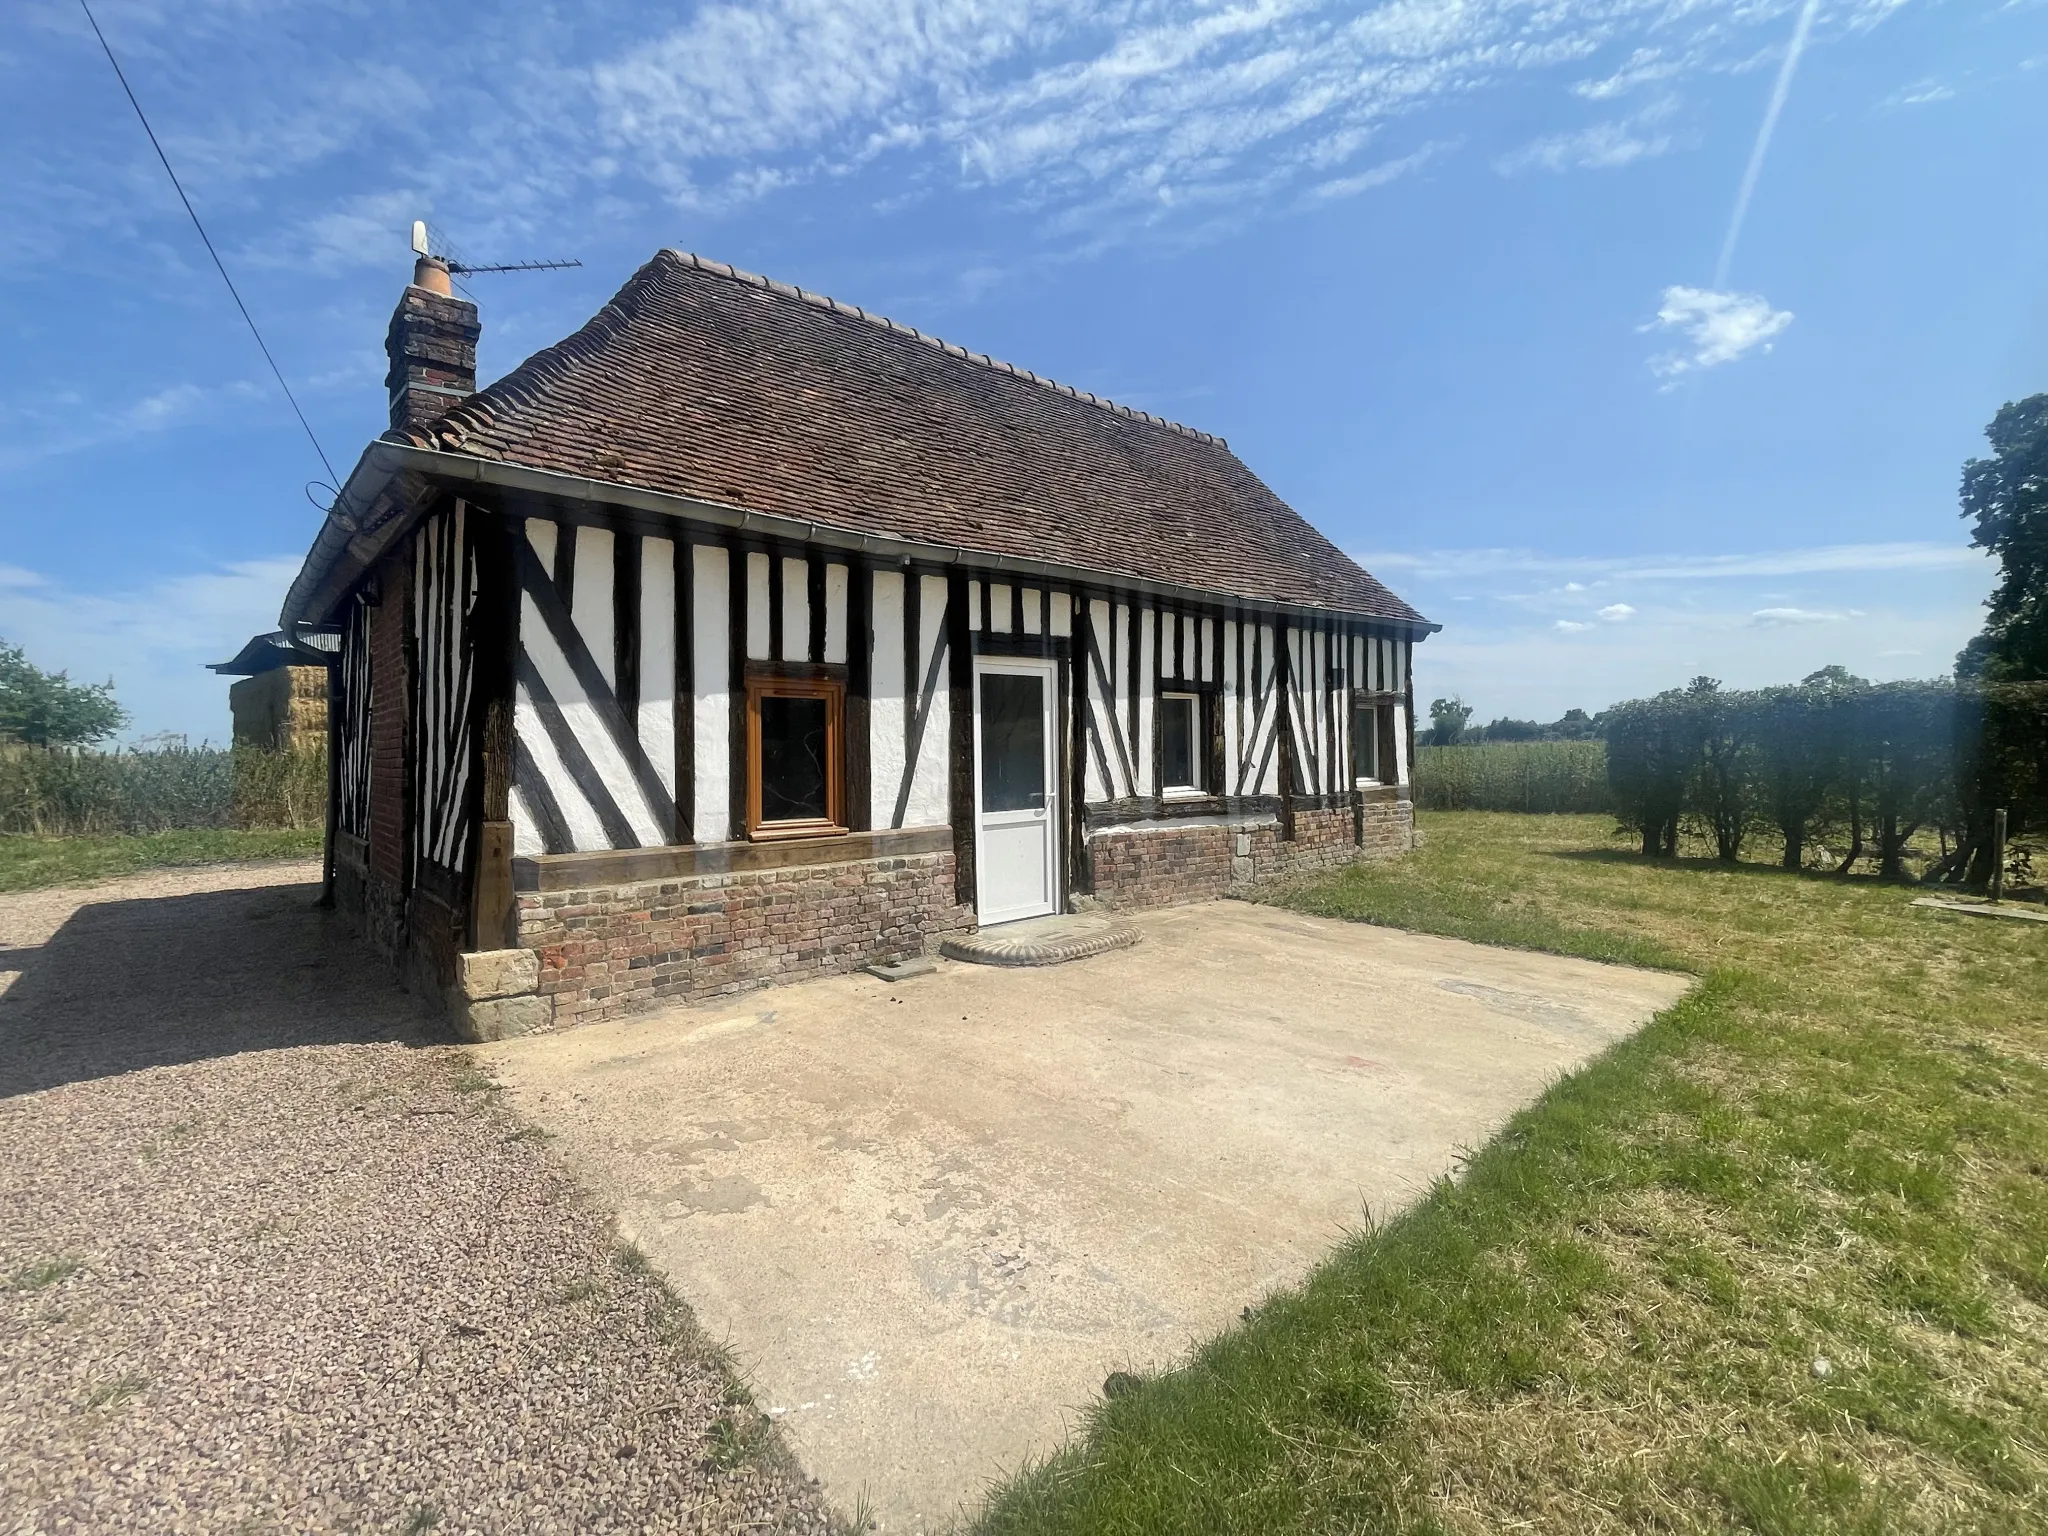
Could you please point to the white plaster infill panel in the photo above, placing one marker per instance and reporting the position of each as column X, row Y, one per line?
column 710, row 630
column 885, row 699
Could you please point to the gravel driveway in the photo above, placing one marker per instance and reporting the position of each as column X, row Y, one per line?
column 276, row 1257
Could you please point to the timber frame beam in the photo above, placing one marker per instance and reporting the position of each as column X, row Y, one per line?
column 393, row 483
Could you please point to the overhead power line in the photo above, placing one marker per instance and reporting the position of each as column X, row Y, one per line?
column 219, row 265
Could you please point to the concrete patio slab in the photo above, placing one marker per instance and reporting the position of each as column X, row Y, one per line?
column 931, row 1218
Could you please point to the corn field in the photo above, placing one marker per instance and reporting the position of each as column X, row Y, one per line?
column 1541, row 776
column 53, row 792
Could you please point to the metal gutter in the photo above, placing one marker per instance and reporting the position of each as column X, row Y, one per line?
column 383, row 461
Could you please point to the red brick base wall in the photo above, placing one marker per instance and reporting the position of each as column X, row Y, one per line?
column 621, row 949
column 1156, row 868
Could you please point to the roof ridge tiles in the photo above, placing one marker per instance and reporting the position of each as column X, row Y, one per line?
column 951, row 349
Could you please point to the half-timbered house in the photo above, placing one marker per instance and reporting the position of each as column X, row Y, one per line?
column 746, row 635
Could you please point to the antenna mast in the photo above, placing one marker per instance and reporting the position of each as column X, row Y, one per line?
column 458, row 268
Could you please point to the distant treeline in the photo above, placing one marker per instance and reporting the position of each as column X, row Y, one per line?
column 64, row 792
column 1450, row 725
column 1861, row 767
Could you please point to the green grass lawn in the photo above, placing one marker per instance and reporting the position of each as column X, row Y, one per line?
column 1778, row 1264
column 27, row 863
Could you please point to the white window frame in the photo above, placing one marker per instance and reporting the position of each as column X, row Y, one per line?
column 1370, row 709
column 1169, row 697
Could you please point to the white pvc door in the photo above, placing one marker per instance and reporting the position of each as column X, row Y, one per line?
column 1016, row 801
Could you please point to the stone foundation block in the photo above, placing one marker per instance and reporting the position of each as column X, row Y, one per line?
column 497, row 973
column 498, row 1018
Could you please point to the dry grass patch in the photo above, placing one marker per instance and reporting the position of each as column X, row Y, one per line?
column 1778, row 1264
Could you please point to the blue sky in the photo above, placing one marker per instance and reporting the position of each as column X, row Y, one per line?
column 1455, row 278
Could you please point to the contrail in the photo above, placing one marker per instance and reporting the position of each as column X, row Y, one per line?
column 1763, row 139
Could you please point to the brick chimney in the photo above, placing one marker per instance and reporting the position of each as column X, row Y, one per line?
column 432, row 347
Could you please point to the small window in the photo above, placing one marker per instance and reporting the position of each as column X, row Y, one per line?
column 1180, row 761
column 1372, row 744
column 795, row 773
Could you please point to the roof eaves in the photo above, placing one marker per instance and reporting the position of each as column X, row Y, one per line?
column 393, row 473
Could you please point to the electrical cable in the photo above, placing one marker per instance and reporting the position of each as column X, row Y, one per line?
column 220, row 266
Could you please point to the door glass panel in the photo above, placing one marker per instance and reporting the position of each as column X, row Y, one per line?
column 1177, row 740
column 792, row 759
column 1012, row 741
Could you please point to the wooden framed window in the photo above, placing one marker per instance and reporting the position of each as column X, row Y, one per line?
column 1183, row 747
column 796, row 757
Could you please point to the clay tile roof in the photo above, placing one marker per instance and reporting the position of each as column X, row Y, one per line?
column 701, row 380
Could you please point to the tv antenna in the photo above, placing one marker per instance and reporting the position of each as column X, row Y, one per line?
column 460, row 268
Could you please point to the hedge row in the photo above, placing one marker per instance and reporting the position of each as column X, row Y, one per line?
column 54, row 792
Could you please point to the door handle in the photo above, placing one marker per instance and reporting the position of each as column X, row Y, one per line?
column 1037, row 798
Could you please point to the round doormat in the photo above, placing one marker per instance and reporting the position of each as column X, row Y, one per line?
column 1043, row 940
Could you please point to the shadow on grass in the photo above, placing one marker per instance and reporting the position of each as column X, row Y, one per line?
column 1708, row 864
column 125, row 985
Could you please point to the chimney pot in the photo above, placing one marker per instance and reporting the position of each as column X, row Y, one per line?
column 431, row 273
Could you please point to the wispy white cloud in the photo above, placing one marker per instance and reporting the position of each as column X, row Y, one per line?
column 1646, row 66
column 154, row 641
column 1773, row 617
column 1920, row 94
column 1133, row 102
column 64, row 425
column 1717, row 327
column 1101, row 116
column 1530, row 633
column 1826, row 559
column 1378, row 176
column 1601, row 147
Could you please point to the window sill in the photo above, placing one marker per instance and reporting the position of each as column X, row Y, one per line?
column 1183, row 792
column 785, row 831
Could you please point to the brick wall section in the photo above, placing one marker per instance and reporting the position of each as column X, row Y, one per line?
column 372, row 905
column 1200, row 863
column 619, row 950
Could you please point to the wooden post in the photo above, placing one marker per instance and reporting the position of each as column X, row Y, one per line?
column 860, row 650
column 960, row 737
column 493, row 907
column 1283, row 685
column 1998, row 855
column 333, row 776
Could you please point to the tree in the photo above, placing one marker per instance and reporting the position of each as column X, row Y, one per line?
column 1905, row 738
column 1723, row 772
column 1801, row 757
column 2006, row 496
column 1653, row 748
column 1447, row 719
column 1573, row 725
column 1507, row 729
column 2002, row 707
column 47, row 709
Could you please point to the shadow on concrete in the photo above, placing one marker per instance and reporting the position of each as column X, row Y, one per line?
column 154, row 982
